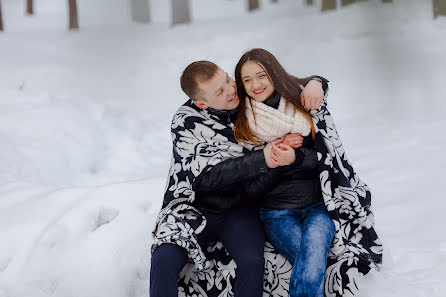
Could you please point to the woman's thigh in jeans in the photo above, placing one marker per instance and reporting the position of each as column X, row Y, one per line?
column 284, row 231
column 318, row 224
column 318, row 232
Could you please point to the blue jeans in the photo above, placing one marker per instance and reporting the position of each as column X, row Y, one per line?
column 303, row 237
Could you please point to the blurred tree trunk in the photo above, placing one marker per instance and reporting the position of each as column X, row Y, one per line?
column 29, row 7
column 347, row 2
column 180, row 12
column 72, row 8
column 439, row 7
column 274, row 1
column 140, row 11
column 328, row 4
column 1, row 19
column 309, row 2
column 386, row 1
column 253, row 4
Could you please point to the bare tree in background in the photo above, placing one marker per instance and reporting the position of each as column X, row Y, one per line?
column 347, row 2
column 253, row 4
column 328, row 4
column 1, row 19
column 180, row 12
column 309, row 2
column 140, row 11
column 439, row 7
column 72, row 8
column 29, row 7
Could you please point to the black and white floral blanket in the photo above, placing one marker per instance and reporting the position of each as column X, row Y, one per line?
column 356, row 247
column 201, row 140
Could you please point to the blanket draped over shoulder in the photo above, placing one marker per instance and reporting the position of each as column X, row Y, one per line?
column 201, row 140
column 356, row 247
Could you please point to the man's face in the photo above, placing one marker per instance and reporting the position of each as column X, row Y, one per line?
column 220, row 92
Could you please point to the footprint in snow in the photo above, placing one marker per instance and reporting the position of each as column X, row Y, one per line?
column 105, row 216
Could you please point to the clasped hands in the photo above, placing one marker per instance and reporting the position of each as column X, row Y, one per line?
column 280, row 152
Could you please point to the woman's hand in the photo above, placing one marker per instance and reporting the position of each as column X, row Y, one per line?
column 312, row 95
column 282, row 154
column 295, row 140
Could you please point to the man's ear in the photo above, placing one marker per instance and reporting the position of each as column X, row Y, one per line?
column 200, row 104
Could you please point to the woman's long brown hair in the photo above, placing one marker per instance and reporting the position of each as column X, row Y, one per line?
column 286, row 85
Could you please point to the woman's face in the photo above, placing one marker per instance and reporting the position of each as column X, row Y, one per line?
column 256, row 81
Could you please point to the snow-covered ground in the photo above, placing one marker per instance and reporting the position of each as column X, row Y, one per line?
column 85, row 142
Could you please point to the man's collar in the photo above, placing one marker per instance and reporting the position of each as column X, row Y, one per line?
column 228, row 115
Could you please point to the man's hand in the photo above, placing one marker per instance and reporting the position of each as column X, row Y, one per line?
column 312, row 95
column 267, row 152
column 282, row 154
column 295, row 140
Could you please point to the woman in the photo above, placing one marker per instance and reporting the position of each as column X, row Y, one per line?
column 295, row 218
column 294, row 214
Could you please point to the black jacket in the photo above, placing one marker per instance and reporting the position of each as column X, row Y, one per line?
column 247, row 179
column 296, row 185
column 287, row 187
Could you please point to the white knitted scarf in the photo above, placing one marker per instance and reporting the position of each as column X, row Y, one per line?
column 268, row 123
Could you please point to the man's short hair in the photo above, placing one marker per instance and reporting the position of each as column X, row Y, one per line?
column 196, row 72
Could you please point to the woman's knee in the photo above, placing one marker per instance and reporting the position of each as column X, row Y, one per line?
column 322, row 221
column 330, row 227
column 319, row 235
column 327, row 224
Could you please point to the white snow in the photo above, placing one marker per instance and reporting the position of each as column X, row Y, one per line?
column 85, row 130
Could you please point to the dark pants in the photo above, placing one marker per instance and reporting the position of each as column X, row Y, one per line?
column 241, row 232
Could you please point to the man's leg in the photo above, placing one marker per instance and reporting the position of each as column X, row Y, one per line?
column 242, row 236
column 167, row 262
column 318, row 232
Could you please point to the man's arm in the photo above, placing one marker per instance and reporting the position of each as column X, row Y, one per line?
column 306, row 159
column 322, row 80
column 250, row 171
column 229, row 173
column 259, row 186
column 314, row 91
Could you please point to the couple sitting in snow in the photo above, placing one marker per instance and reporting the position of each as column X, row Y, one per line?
column 260, row 160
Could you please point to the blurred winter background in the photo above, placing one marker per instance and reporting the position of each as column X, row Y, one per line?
column 85, row 119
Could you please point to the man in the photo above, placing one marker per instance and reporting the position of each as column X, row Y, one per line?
column 209, row 183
